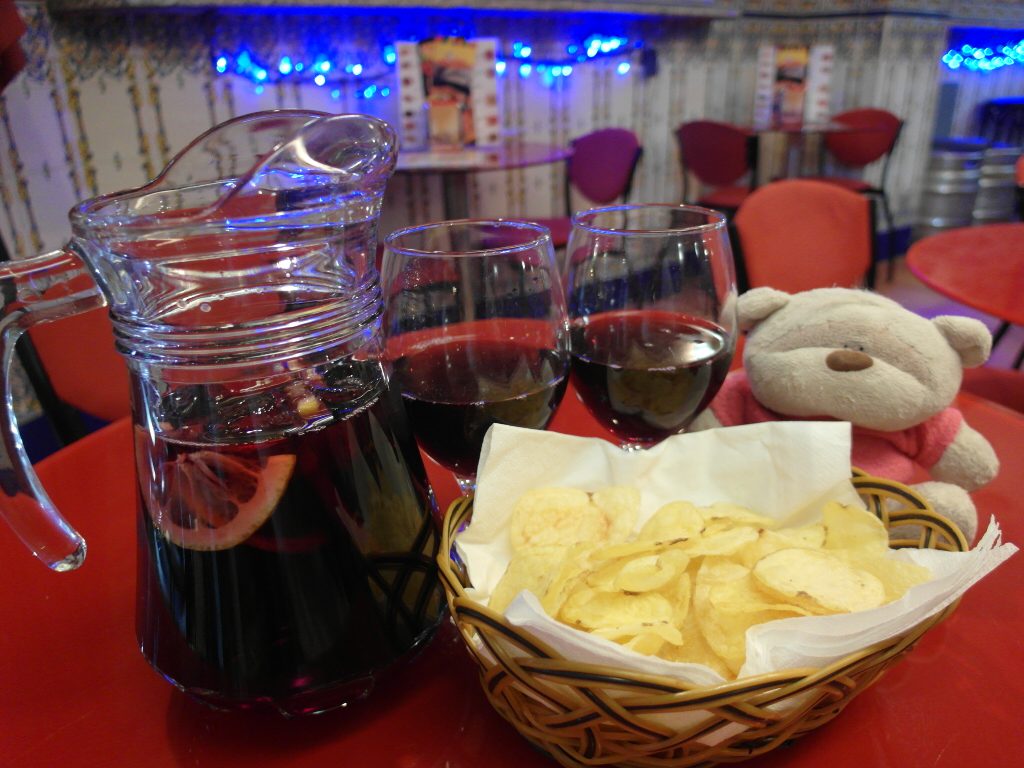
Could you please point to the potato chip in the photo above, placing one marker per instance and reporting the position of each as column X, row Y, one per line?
column 647, row 643
column 854, row 528
column 819, row 581
column 693, row 580
column 547, row 517
column 720, row 512
column 897, row 576
column 809, row 536
column 621, row 506
column 724, row 542
column 680, row 594
column 726, row 603
column 694, row 649
column 592, row 609
column 626, row 549
column 532, row 570
column 743, row 595
column 666, row 631
column 573, row 569
column 640, row 573
column 673, row 521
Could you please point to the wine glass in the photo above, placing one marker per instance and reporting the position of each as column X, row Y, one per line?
column 477, row 332
column 652, row 308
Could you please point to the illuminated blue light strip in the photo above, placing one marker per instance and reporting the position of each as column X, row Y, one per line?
column 322, row 70
column 985, row 59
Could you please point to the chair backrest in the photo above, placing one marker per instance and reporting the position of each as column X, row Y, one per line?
column 716, row 153
column 81, row 364
column 1000, row 385
column 875, row 136
column 602, row 164
column 797, row 234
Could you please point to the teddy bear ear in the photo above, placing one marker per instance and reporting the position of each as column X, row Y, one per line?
column 757, row 304
column 969, row 337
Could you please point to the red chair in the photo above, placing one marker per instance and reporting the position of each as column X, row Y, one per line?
column 796, row 235
column 1019, row 173
column 80, row 369
column 601, row 169
column 999, row 385
column 873, row 138
column 719, row 155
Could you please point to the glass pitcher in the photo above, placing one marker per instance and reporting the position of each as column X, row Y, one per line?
column 285, row 523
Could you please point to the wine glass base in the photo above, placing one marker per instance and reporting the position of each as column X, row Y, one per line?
column 632, row 447
column 466, row 485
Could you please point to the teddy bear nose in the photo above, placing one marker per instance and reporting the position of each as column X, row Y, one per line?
column 848, row 360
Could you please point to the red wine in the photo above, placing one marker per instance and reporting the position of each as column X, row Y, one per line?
column 283, row 568
column 645, row 375
column 454, row 390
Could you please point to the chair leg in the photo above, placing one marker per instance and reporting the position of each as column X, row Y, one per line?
column 1000, row 332
column 869, row 278
column 890, row 225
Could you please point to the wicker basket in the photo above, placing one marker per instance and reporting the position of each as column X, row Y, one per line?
column 587, row 715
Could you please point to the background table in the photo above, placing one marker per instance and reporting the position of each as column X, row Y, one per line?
column 74, row 689
column 455, row 167
column 792, row 149
column 980, row 267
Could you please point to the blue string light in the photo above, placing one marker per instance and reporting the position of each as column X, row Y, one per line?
column 985, row 58
column 322, row 69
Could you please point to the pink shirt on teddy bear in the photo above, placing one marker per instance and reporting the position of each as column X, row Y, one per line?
column 885, row 454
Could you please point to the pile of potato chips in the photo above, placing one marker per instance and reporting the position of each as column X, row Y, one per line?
column 688, row 584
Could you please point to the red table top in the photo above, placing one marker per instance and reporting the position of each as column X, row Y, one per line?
column 75, row 690
column 473, row 159
column 980, row 267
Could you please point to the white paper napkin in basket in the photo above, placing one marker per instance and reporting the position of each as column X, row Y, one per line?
column 786, row 470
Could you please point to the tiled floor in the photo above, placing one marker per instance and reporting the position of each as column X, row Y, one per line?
column 908, row 291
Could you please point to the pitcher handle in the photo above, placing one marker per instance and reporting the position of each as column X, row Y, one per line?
column 36, row 290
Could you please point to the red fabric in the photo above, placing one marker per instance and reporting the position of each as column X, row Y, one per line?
column 999, row 385
column 560, row 229
column 12, row 58
column 730, row 197
column 894, row 455
column 1020, row 171
column 82, row 365
column 602, row 163
column 854, row 185
column 716, row 153
column 797, row 235
column 855, row 149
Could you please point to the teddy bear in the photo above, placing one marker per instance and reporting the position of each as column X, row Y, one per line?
column 857, row 356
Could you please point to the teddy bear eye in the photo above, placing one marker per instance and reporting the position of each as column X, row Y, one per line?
column 855, row 345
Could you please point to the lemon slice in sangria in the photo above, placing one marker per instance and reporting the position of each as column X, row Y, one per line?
column 206, row 500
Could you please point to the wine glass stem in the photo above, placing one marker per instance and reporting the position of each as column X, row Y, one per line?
column 466, row 484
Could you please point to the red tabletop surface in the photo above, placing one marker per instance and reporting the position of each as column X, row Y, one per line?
column 980, row 267
column 74, row 689
column 500, row 157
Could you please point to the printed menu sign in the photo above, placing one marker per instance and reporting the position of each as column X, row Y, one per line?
column 792, row 85
column 448, row 93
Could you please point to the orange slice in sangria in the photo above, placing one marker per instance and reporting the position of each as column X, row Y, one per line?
column 206, row 500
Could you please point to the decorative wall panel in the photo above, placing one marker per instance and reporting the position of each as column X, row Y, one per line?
column 108, row 97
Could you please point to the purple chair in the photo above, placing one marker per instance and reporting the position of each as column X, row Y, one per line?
column 601, row 169
column 719, row 155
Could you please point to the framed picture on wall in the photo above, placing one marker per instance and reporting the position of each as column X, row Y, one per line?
column 792, row 84
column 448, row 93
